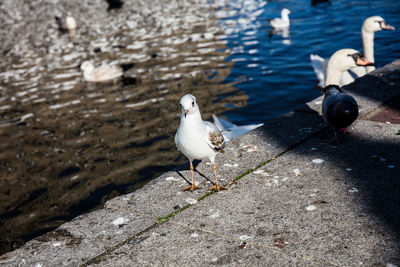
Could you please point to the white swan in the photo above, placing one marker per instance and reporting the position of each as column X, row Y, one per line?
column 341, row 61
column 283, row 21
column 103, row 73
column 231, row 131
column 369, row 27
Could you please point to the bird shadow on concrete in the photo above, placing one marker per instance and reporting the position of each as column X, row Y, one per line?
column 186, row 167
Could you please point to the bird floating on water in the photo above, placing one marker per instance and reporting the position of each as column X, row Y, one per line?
column 198, row 139
column 368, row 29
column 231, row 131
column 104, row 73
column 282, row 22
column 66, row 22
column 339, row 109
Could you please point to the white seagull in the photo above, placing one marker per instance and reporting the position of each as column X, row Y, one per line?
column 104, row 73
column 282, row 22
column 198, row 139
column 231, row 131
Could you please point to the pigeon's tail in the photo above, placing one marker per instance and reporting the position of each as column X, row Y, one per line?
column 231, row 131
column 127, row 66
column 319, row 66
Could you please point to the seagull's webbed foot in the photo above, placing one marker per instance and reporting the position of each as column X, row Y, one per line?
column 217, row 188
column 191, row 188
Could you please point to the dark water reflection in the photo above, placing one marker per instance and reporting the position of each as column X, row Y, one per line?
column 67, row 146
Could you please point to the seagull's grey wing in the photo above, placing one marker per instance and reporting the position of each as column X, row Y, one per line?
column 108, row 72
column 214, row 138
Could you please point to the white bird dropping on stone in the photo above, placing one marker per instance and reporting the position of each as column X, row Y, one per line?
column 353, row 190
column 297, row 172
column 119, row 221
column 171, row 178
column 244, row 237
column 231, row 165
column 311, row 208
column 318, row 161
column 191, row 201
column 194, row 235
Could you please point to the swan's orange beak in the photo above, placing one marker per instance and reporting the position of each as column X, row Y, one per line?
column 186, row 112
column 364, row 62
column 388, row 27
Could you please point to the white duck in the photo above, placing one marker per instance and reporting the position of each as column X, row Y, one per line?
column 282, row 22
column 231, row 131
column 369, row 27
column 104, row 73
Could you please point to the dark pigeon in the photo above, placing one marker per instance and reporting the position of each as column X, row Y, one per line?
column 339, row 109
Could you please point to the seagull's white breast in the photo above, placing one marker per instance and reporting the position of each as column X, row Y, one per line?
column 191, row 140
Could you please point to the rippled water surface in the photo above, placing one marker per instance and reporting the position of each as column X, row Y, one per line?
column 67, row 146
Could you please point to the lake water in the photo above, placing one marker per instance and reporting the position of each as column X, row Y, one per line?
column 68, row 146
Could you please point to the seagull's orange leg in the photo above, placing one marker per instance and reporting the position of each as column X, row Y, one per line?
column 192, row 187
column 216, row 187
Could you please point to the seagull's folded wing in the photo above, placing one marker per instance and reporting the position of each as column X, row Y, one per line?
column 214, row 138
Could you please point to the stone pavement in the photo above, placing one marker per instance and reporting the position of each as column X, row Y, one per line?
column 293, row 198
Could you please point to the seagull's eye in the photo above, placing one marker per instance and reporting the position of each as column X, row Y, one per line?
column 193, row 104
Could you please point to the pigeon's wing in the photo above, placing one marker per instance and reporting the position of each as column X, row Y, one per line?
column 214, row 137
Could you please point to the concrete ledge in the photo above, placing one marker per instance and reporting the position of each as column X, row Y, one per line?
column 293, row 199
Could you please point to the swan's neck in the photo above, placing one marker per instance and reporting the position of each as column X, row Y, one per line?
column 333, row 75
column 285, row 17
column 368, row 46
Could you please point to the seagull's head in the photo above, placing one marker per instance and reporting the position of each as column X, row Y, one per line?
column 285, row 11
column 188, row 105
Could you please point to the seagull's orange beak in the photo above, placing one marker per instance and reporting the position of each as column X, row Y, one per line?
column 186, row 112
column 364, row 62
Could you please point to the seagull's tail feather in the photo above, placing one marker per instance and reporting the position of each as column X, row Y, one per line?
column 231, row 131
column 319, row 66
column 222, row 124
